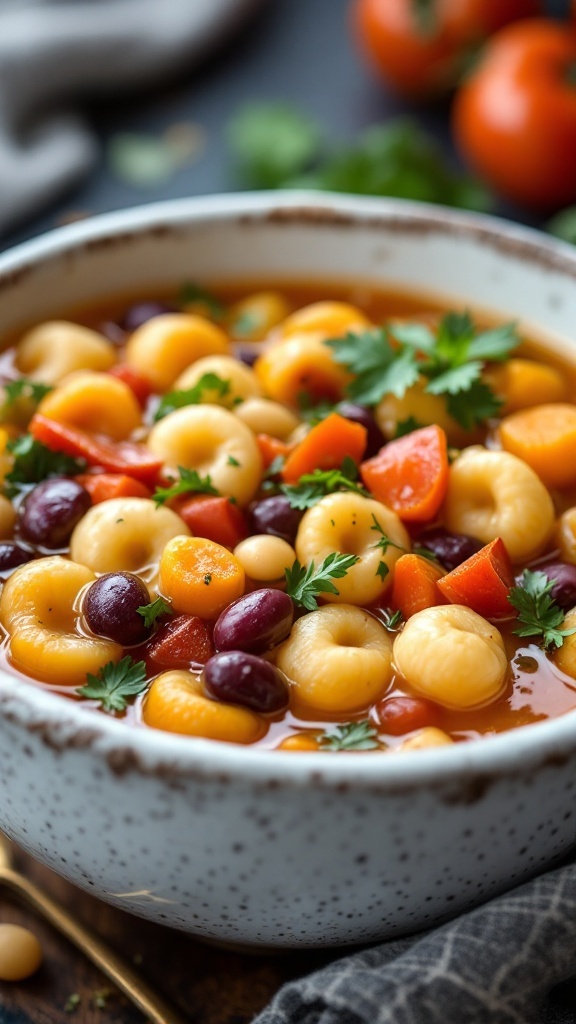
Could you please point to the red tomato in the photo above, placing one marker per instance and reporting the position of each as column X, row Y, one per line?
column 399, row 715
column 422, row 47
column 514, row 120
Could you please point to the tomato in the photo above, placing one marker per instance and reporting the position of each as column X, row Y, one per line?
column 422, row 46
column 514, row 120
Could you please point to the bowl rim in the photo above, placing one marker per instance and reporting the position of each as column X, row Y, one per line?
column 67, row 725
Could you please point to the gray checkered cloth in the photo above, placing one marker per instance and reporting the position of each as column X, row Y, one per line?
column 54, row 54
column 493, row 965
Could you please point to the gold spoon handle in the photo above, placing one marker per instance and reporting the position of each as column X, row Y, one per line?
column 127, row 980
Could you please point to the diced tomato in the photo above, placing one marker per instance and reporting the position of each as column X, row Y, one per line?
column 179, row 643
column 216, row 518
column 270, row 448
column 482, row 582
column 399, row 715
column 137, row 384
column 103, row 486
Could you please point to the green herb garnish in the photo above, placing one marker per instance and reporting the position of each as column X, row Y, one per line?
column 34, row 461
column 231, row 461
column 313, row 486
column 272, row 143
column 190, row 482
column 23, row 387
column 391, row 620
column 191, row 292
column 407, row 426
column 351, row 736
column 192, row 396
column 539, row 614
column 114, row 684
column 379, row 367
column 304, row 584
column 151, row 612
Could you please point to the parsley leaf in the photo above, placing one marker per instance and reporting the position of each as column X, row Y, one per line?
column 15, row 389
column 272, row 142
column 151, row 612
column 192, row 396
column 313, row 413
column 538, row 612
column 385, row 541
column 379, row 367
column 391, row 620
column 34, row 461
column 192, row 294
column 313, row 486
column 474, row 406
column 189, row 483
column 351, row 736
column 407, row 426
column 114, row 683
column 305, row 584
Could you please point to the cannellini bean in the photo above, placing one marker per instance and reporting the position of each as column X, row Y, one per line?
column 338, row 658
column 125, row 534
column 345, row 522
column 494, row 494
column 165, row 345
column 264, row 416
column 453, row 656
column 565, row 657
column 176, row 703
column 216, row 443
column 95, row 402
column 56, row 348
column 425, row 738
column 242, row 381
column 20, row 953
column 39, row 609
column 329, row 317
column 264, row 557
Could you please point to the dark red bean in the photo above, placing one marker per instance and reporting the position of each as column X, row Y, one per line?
column 239, row 678
column 276, row 516
column 110, row 608
column 247, row 354
column 141, row 312
column 50, row 512
column 12, row 555
column 180, row 642
column 360, row 414
column 451, row 549
column 255, row 622
column 564, row 575
column 399, row 715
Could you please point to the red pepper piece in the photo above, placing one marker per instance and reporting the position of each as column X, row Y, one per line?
column 103, row 486
column 216, row 518
column 137, row 384
column 179, row 643
column 482, row 582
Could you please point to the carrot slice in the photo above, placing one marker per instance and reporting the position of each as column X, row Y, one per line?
column 482, row 582
column 325, row 446
column 410, row 475
column 414, row 587
column 215, row 518
column 111, row 456
column 545, row 438
column 103, row 486
column 135, row 381
column 270, row 448
column 199, row 576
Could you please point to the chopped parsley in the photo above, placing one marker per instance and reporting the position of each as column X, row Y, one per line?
column 390, row 360
column 34, row 461
column 351, row 736
column 151, row 612
column 538, row 613
column 305, row 584
column 231, row 461
column 192, row 396
column 190, row 482
column 392, row 620
column 23, row 387
column 115, row 684
column 313, row 486
column 193, row 293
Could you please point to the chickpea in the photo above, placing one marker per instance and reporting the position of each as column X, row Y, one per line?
column 20, row 953
column 425, row 738
column 565, row 535
column 565, row 657
column 264, row 557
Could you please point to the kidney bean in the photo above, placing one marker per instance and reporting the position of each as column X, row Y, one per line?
column 255, row 622
column 360, row 414
column 240, row 678
column 247, row 354
column 110, row 608
column 50, row 512
column 276, row 516
column 141, row 312
column 399, row 715
column 12, row 555
column 564, row 590
column 451, row 549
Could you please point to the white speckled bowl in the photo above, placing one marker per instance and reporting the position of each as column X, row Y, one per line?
column 256, row 847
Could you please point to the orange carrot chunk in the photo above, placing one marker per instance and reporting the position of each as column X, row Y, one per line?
column 410, row 475
column 135, row 381
column 102, row 486
column 270, row 448
column 415, row 585
column 325, row 447
column 200, row 577
column 482, row 582
column 545, row 438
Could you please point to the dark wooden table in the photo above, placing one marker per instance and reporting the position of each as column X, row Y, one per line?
column 294, row 50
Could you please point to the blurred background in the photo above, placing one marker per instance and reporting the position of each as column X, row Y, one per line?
column 170, row 140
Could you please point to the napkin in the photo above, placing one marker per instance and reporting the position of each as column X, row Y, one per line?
column 493, row 965
column 56, row 53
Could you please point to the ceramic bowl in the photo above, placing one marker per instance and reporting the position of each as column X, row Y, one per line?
column 248, row 846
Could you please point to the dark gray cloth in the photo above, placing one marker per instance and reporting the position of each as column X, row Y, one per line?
column 54, row 53
column 493, row 965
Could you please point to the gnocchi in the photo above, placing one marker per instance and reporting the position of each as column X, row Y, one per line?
column 228, row 526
